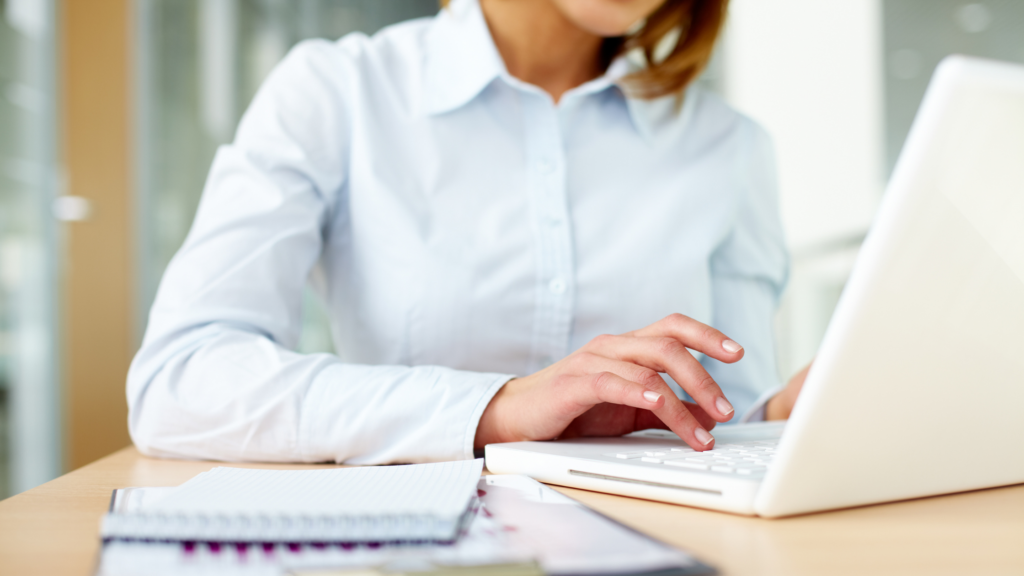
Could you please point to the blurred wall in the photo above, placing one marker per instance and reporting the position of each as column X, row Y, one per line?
column 98, row 275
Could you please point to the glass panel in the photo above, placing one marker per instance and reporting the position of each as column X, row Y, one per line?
column 200, row 62
column 920, row 33
column 29, row 408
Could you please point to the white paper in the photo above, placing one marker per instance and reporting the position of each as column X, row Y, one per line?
column 442, row 489
column 418, row 502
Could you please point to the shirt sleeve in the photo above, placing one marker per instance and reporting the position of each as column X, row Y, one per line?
column 758, row 412
column 217, row 376
column 749, row 271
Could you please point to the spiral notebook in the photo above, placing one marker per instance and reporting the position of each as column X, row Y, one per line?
column 410, row 503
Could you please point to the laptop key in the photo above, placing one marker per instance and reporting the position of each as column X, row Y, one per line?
column 685, row 464
column 625, row 455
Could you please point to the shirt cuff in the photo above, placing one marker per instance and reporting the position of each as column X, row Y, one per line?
column 359, row 414
column 756, row 413
column 478, row 411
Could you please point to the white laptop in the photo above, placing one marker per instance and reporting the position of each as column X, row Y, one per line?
column 918, row 388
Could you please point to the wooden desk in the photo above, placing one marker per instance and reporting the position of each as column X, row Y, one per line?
column 53, row 529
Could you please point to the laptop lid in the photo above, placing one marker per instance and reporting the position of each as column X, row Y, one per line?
column 918, row 387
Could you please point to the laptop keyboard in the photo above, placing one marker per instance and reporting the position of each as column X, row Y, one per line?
column 743, row 458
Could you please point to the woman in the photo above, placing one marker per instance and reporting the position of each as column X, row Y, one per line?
column 481, row 199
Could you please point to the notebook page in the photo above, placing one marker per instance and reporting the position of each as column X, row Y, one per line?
column 442, row 489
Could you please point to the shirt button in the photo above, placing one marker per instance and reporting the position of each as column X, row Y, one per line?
column 557, row 286
column 546, row 166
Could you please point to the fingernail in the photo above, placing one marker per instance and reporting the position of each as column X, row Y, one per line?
column 652, row 397
column 702, row 436
column 723, row 406
column 731, row 347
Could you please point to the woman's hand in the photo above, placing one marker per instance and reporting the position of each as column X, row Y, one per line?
column 781, row 405
column 611, row 387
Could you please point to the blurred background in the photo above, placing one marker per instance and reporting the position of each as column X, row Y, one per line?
column 111, row 110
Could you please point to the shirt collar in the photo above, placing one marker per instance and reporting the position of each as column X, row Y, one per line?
column 462, row 60
column 649, row 115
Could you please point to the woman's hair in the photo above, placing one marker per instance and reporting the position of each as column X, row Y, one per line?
column 690, row 27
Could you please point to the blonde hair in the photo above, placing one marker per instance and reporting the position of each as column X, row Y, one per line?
column 691, row 27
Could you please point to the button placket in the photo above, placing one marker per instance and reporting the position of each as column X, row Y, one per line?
column 553, row 235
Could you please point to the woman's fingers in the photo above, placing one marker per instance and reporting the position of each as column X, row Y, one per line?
column 665, row 354
column 592, row 389
column 590, row 363
column 625, row 382
column 618, row 370
column 646, row 419
column 695, row 335
column 680, row 420
column 638, row 362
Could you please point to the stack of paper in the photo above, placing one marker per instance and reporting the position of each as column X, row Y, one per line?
column 518, row 527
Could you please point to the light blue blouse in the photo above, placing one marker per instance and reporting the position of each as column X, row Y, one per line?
column 462, row 228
